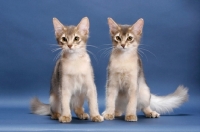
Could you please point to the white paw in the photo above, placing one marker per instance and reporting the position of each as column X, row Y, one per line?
column 153, row 114
column 108, row 116
column 131, row 118
column 97, row 118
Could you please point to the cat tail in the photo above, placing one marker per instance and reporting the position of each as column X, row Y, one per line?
column 39, row 108
column 166, row 104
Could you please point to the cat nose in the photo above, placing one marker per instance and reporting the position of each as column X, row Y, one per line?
column 123, row 45
column 70, row 46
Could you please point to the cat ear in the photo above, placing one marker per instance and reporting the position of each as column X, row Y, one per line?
column 138, row 26
column 58, row 26
column 83, row 26
column 113, row 26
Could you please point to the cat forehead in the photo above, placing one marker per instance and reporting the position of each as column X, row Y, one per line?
column 69, row 30
column 124, row 30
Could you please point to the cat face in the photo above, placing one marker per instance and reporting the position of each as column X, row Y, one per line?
column 71, row 38
column 125, row 37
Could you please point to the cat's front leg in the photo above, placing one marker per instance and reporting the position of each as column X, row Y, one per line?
column 65, row 97
column 92, row 100
column 111, row 94
column 132, row 103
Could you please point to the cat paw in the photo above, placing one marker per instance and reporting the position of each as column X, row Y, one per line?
column 131, row 118
column 108, row 116
column 65, row 119
column 97, row 118
column 55, row 115
column 153, row 114
column 118, row 113
column 83, row 116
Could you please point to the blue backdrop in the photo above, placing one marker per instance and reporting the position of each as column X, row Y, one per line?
column 170, row 46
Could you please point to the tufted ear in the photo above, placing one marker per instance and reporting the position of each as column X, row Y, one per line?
column 83, row 26
column 58, row 26
column 138, row 26
column 113, row 26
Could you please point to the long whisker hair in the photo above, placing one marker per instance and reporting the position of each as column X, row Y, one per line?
column 93, row 55
column 105, row 51
column 142, row 50
column 58, row 55
column 52, row 45
column 142, row 53
column 92, row 46
column 56, row 49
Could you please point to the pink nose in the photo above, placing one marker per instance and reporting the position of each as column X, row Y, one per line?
column 123, row 45
column 70, row 46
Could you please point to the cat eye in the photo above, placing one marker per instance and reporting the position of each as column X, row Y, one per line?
column 64, row 39
column 130, row 38
column 118, row 38
column 76, row 38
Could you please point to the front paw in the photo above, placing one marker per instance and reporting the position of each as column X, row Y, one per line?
column 83, row 116
column 97, row 118
column 108, row 116
column 131, row 118
column 65, row 119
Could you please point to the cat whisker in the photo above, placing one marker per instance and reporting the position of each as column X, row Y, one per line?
column 143, row 44
column 54, row 50
column 106, row 44
column 92, row 46
column 54, row 45
column 58, row 55
column 139, row 51
column 148, row 51
column 94, row 56
column 140, row 54
column 106, row 51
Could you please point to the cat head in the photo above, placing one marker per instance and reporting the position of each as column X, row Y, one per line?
column 72, row 38
column 125, row 37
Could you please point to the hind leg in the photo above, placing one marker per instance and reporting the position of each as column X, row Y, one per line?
column 149, row 113
column 78, row 107
column 144, row 100
column 55, row 107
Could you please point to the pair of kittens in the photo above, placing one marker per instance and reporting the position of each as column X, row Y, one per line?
column 126, row 90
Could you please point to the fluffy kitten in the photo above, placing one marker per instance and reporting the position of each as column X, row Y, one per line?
column 72, row 80
column 126, row 88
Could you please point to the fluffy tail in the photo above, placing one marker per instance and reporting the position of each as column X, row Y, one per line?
column 39, row 108
column 164, row 104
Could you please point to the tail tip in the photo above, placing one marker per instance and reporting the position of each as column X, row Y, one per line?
column 34, row 103
column 183, row 92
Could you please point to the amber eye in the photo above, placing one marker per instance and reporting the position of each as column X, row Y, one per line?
column 76, row 38
column 129, row 38
column 118, row 38
column 64, row 39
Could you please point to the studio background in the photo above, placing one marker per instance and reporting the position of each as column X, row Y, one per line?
column 170, row 54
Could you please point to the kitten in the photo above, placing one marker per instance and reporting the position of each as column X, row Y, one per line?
column 72, row 80
column 126, row 88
